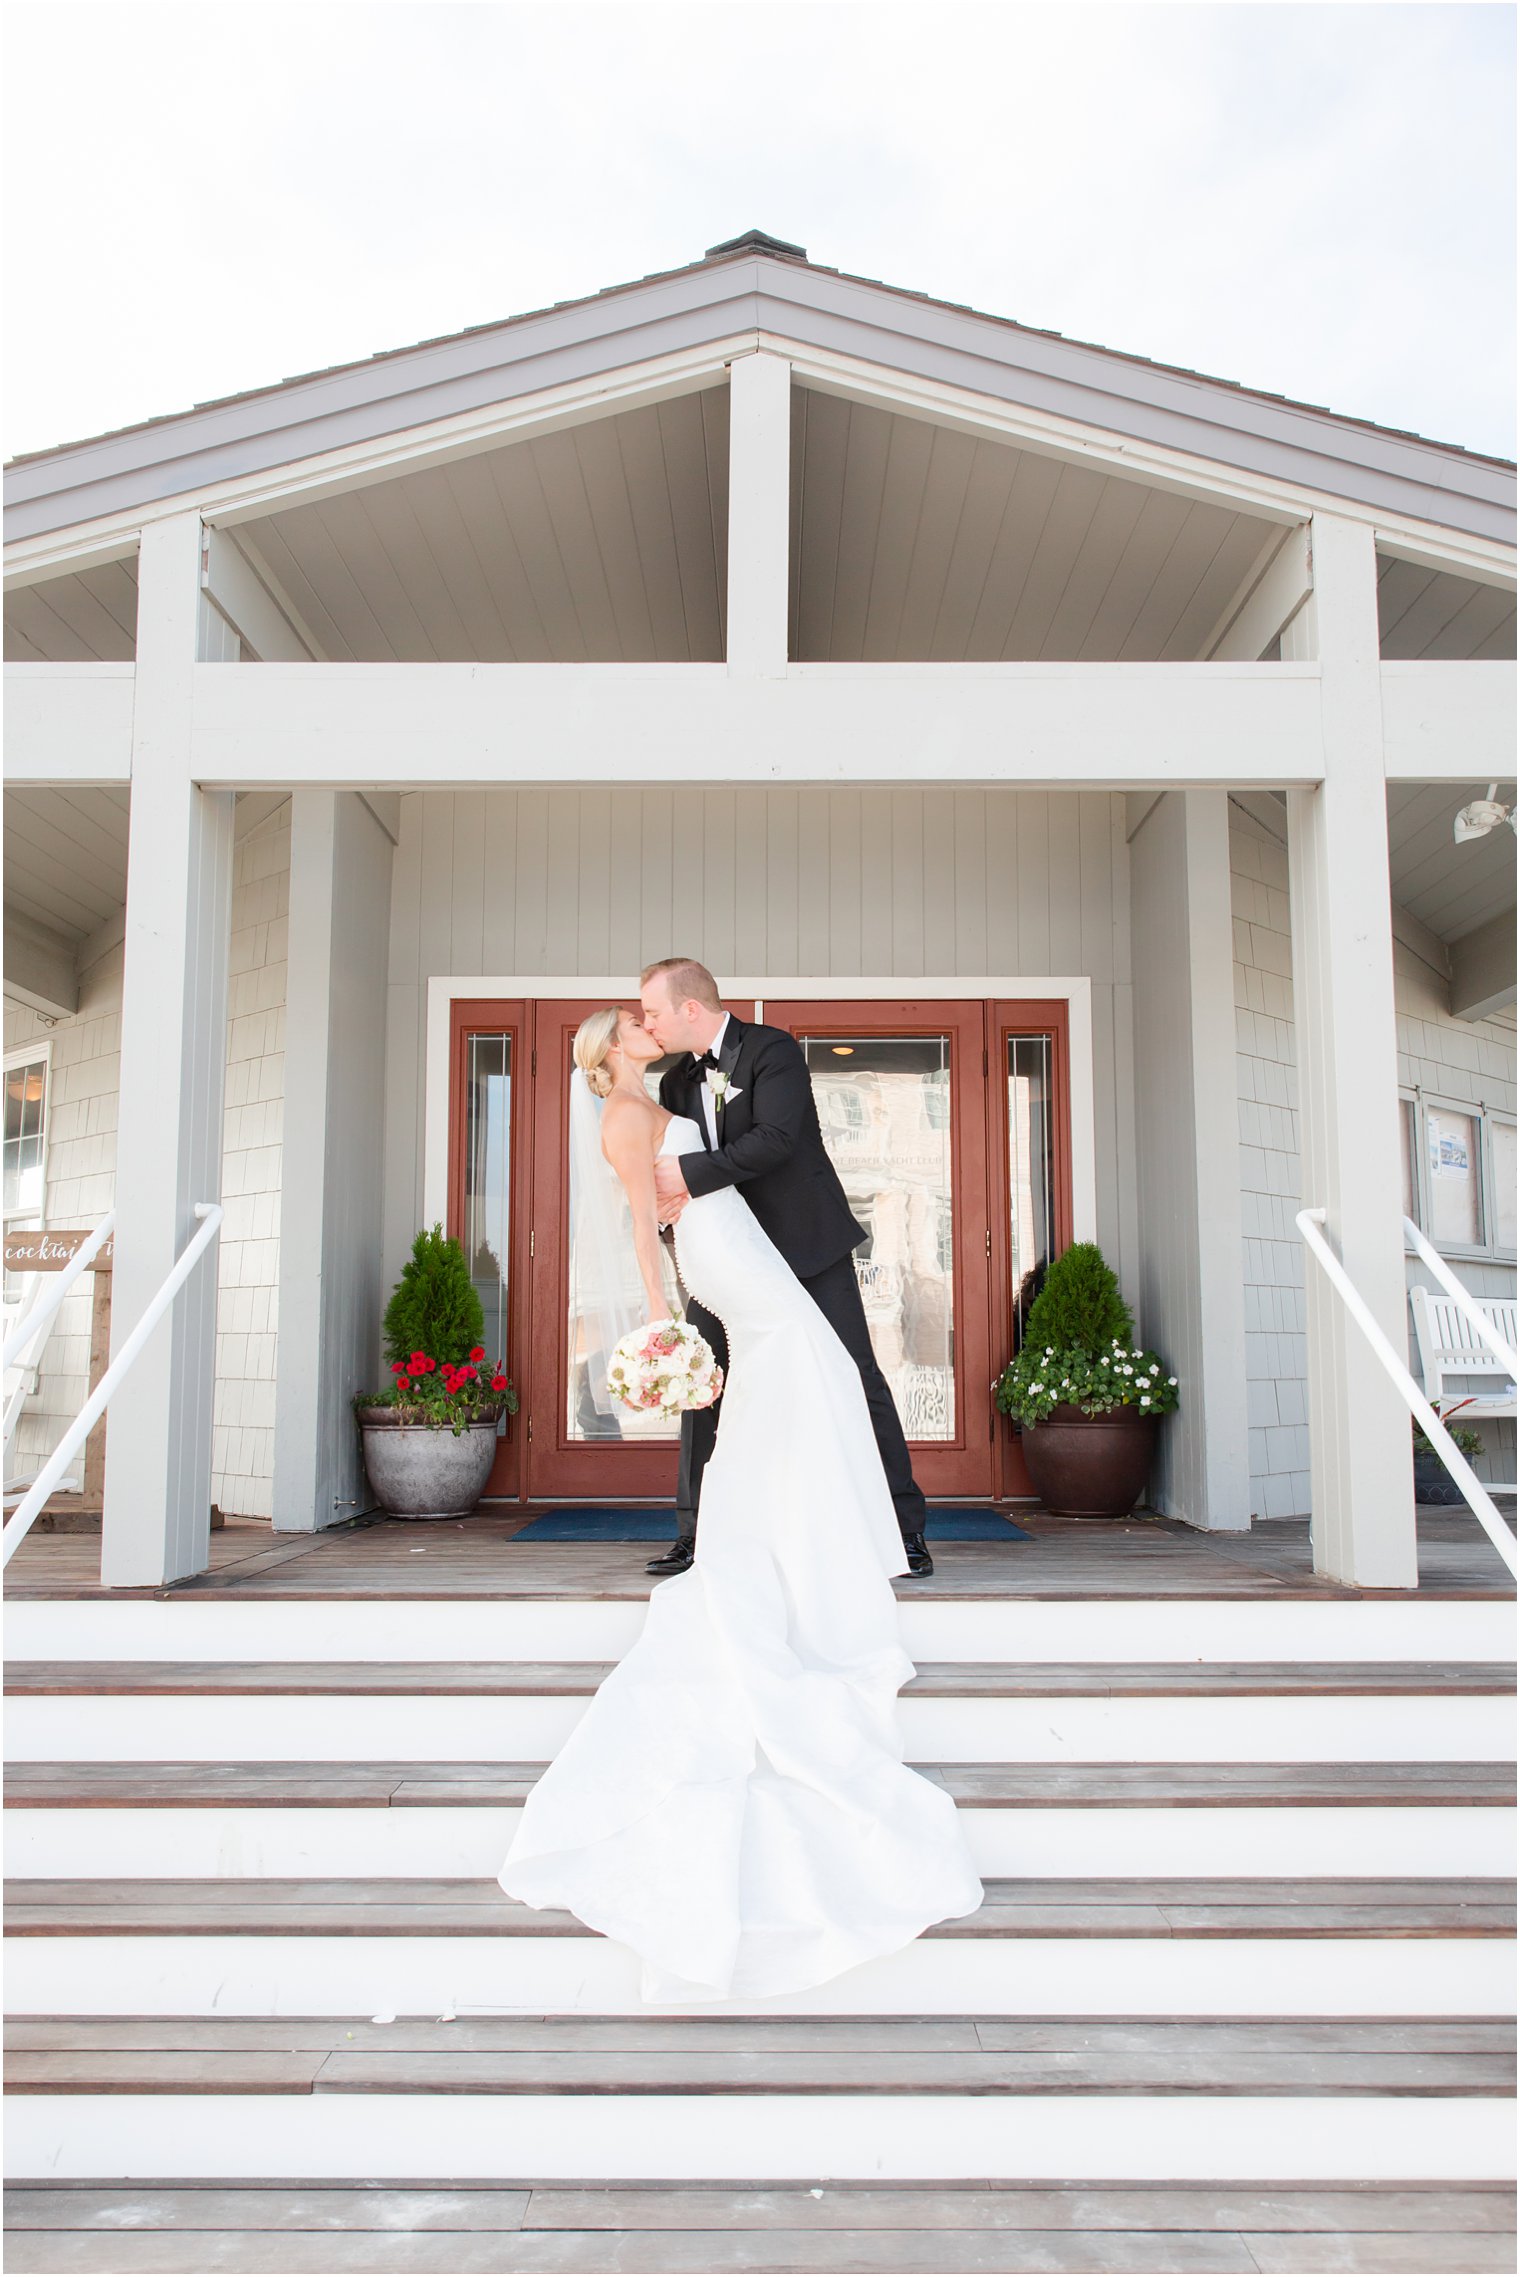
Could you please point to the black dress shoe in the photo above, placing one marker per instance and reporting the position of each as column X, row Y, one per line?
column 676, row 1559
column 916, row 1550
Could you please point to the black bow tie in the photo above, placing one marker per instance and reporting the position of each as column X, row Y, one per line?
column 699, row 1060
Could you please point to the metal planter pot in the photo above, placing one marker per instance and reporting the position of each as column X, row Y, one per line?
column 1090, row 1466
column 1433, row 1482
column 418, row 1471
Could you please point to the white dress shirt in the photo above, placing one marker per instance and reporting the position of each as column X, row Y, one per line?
column 709, row 1110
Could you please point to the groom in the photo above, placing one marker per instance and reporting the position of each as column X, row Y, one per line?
column 748, row 1088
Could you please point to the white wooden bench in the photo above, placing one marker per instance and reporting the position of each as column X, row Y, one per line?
column 1448, row 1349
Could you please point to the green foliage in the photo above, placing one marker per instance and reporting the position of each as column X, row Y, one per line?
column 1080, row 1308
column 1463, row 1437
column 1079, row 1348
column 1043, row 1378
column 434, row 1308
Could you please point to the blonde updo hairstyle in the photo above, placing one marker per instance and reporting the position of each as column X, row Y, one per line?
column 594, row 1038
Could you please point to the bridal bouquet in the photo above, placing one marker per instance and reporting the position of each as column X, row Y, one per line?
column 664, row 1369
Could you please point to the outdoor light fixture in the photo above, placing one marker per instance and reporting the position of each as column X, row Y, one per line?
column 843, row 1051
column 1484, row 815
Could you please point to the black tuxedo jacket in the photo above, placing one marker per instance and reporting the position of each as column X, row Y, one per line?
column 769, row 1145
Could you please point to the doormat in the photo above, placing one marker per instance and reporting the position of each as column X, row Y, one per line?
column 614, row 1525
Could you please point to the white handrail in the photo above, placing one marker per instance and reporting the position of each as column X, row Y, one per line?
column 210, row 1214
column 1309, row 1223
column 24, row 1332
column 1471, row 1311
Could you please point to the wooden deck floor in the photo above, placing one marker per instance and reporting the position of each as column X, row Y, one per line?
column 1211, row 2229
column 479, row 1558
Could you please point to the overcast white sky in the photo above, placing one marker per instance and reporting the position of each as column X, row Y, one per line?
column 1306, row 197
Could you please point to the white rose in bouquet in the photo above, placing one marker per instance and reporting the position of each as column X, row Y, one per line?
column 664, row 1369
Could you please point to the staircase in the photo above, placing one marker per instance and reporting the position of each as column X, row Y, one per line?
column 1237, row 1998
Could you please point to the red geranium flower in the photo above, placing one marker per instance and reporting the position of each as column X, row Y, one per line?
column 416, row 1368
column 498, row 1383
column 477, row 1351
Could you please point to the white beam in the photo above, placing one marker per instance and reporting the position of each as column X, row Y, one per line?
column 400, row 726
column 1483, row 969
column 68, row 723
column 1186, row 474
column 759, row 514
column 173, row 1060
column 1361, row 1490
column 1449, row 722
column 1192, row 1301
column 39, row 967
column 1269, row 597
column 328, row 474
column 265, row 622
column 331, row 1299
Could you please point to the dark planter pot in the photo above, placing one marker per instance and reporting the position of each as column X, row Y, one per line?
column 419, row 1471
column 1433, row 1482
column 1090, row 1466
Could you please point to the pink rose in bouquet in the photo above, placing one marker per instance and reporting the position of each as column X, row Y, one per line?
column 664, row 1369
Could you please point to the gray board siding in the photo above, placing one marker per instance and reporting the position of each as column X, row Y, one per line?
column 713, row 301
column 932, row 885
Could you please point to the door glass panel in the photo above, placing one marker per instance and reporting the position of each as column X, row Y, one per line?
column 1455, row 1211
column 583, row 1421
column 884, row 1110
column 488, row 1181
column 1032, row 1185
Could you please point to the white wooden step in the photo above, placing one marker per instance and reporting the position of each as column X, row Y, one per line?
column 1017, row 1631
column 347, row 1947
column 389, row 1727
column 696, row 2138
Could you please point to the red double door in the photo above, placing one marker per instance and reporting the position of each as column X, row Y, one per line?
column 947, row 1121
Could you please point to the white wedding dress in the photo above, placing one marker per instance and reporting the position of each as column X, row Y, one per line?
column 734, row 1804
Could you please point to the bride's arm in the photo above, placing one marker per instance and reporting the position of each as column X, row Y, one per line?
column 626, row 1142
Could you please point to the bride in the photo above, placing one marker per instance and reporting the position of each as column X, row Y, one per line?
column 734, row 1805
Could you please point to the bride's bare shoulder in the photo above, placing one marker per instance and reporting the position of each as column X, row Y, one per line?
column 631, row 1125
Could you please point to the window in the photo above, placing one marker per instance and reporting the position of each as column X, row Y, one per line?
column 1456, row 1189
column 26, row 1094
column 1501, row 1155
column 1458, row 1163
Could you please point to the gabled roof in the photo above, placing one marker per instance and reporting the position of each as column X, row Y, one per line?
column 760, row 283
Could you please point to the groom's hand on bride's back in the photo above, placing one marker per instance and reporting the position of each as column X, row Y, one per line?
column 671, row 1192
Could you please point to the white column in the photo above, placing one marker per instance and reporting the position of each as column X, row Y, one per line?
column 1361, row 1490
column 331, row 1292
column 759, row 514
column 1192, row 1303
column 173, row 1060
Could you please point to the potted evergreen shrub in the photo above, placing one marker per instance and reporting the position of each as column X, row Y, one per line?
column 1085, row 1394
column 430, row 1440
column 1433, row 1482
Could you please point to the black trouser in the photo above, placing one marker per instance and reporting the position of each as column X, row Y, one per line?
column 836, row 1292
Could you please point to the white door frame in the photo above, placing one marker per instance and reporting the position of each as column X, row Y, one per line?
column 1076, row 992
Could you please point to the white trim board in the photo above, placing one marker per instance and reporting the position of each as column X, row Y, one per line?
column 1076, row 991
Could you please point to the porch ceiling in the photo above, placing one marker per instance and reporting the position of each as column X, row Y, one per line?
column 1453, row 889
column 1425, row 612
column 87, row 617
column 914, row 541
column 66, row 858
column 606, row 542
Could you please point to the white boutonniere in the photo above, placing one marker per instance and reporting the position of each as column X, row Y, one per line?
column 722, row 1089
